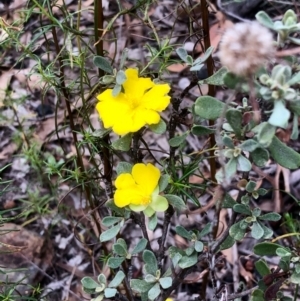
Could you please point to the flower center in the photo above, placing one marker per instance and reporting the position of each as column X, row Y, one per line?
column 133, row 102
column 145, row 199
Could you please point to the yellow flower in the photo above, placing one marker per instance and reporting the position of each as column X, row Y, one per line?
column 136, row 106
column 139, row 190
column 169, row 299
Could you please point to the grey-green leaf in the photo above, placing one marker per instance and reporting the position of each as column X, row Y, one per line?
column 165, row 282
column 217, row 79
column 209, row 107
column 266, row 134
column 103, row 64
column 234, row 118
column 178, row 140
column 110, row 233
column 110, row 292
column 163, row 182
column 123, row 167
column 175, row 201
column 152, row 222
column 158, row 128
column 199, row 246
column 182, row 53
column 257, row 231
column 140, row 286
column 108, row 221
column 119, row 250
column 271, row 216
column 183, row 232
column 201, row 130
column 236, row 232
column 266, row 249
column 150, row 262
column 154, row 292
column 121, row 77
column 116, row 90
column 89, row 283
column 141, row 245
column 188, row 261
column 115, row 262
column 123, row 143
column 249, row 145
column 284, row 155
column 264, row 19
column 243, row 209
column 117, row 279
column 260, row 156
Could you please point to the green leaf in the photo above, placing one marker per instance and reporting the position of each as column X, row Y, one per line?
column 228, row 202
column 111, row 205
column 154, row 292
column 119, row 250
column 107, row 79
column 295, row 278
column 141, row 245
column 123, row 167
column 284, row 155
column 175, row 201
column 249, row 145
column 235, row 118
column 175, row 259
column 236, row 232
column 152, row 222
column 271, row 216
column 110, row 233
column 227, row 141
column 178, row 140
column 123, row 143
column 165, row 282
column 266, row 134
column 295, row 131
column 89, row 283
column 260, row 156
column 183, row 232
column 159, row 128
column 206, row 55
column 266, row 249
column 150, row 278
column 217, row 79
column 150, row 262
column 268, row 233
column 264, row 19
column 257, row 231
column 208, row 107
column 117, row 279
column 140, row 286
column 227, row 243
column 108, row 221
column 163, row 182
column 282, row 252
column 250, row 187
column 257, row 295
column 280, row 115
column 262, row 267
column 232, row 81
column 243, row 164
column 199, row 246
column 182, row 53
column 200, row 130
column 295, row 79
column 159, row 204
column 188, row 261
column 115, row 262
column 121, row 77
column 262, row 191
column 116, row 90
column 110, row 292
column 102, row 279
column 243, row 209
column 103, row 64
column 206, row 230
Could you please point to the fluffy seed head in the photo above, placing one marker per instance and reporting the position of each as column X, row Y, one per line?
column 245, row 47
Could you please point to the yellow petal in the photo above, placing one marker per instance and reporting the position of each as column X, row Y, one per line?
column 144, row 116
column 146, row 176
column 157, row 98
column 124, row 180
column 111, row 109
column 134, row 86
column 130, row 195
